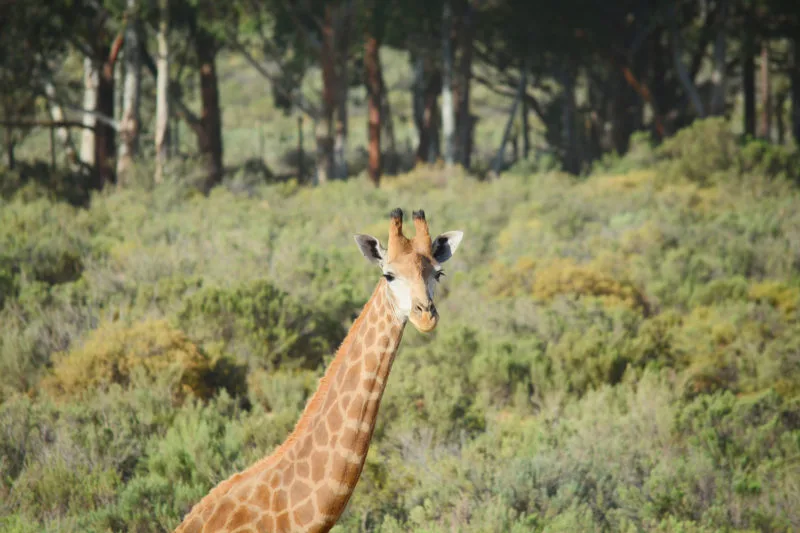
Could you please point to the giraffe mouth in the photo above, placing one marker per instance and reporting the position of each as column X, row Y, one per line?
column 425, row 322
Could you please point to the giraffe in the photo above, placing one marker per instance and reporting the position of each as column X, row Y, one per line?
column 305, row 484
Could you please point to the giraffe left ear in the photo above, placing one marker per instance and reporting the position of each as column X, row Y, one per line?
column 444, row 246
column 371, row 248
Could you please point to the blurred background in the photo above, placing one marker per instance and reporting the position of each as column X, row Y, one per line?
column 619, row 347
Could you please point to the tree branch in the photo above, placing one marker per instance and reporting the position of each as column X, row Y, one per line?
column 100, row 117
column 308, row 109
column 529, row 99
column 45, row 124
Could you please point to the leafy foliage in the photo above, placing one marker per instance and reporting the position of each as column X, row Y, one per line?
column 260, row 324
column 618, row 353
column 150, row 350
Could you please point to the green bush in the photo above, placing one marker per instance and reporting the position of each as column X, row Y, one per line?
column 702, row 153
column 775, row 161
column 708, row 152
column 260, row 325
column 38, row 180
column 35, row 246
column 152, row 351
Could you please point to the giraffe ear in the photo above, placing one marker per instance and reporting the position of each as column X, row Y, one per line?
column 444, row 246
column 371, row 248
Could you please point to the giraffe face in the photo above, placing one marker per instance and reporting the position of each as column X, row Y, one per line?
column 412, row 269
column 412, row 280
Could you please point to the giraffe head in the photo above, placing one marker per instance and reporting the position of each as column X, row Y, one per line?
column 412, row 267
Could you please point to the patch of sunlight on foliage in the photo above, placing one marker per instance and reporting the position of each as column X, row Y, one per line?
column 619, row 183
column 777, row 294
column 566, row 277
column 152, row 351
column 563, row 277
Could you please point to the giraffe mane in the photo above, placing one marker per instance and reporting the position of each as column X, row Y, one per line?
column 316, row 400
column 312, row 406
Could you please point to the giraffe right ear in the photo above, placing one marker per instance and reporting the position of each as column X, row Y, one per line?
column 371, row 248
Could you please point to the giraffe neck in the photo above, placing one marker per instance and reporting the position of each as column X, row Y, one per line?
column 336, row 438
column 306, row 483
column 331, row 441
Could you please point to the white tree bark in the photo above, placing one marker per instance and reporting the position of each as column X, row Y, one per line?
column 448, row 111
column 129, row 124
column 57, row 114
column 162, row 91
column 91, row 79
column 417, row 99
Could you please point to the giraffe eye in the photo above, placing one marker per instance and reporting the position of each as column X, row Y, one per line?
column 389, row 277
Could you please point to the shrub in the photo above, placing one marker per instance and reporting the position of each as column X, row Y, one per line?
column 34, row 245
column 150, row 350
column 708, row 152
column 775, row 161
column 701, row 153
column 778, row 294
column 565, row 277
column 30, row 182
column 641, row 154
column 260, row 324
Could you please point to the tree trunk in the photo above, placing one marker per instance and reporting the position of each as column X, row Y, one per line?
column 324, row 129
column 497, row 164
column 749, row 81
column 52, row 148
column 162, row 92
column 780, row 124
column 795, row 89
column 526, row 140
column 719, row 74
column 657, row 62
column 464, row 118
column 301, row 155
column 418, row 103
column 91, row 79
column 683, row 74
column 448, row 115
column 129, row 125
column 375, row 98
column 210, row 139
column 342, row 41
column 568, row 134
column 57, row 115
column 388, row 125
column 105, row 134
column 430, row 120
column 10, row 148
column 766, row 93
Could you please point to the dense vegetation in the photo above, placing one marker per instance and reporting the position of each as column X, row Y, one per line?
column 616, row 353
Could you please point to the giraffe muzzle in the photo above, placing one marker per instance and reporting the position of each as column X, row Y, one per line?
column 424, row 316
